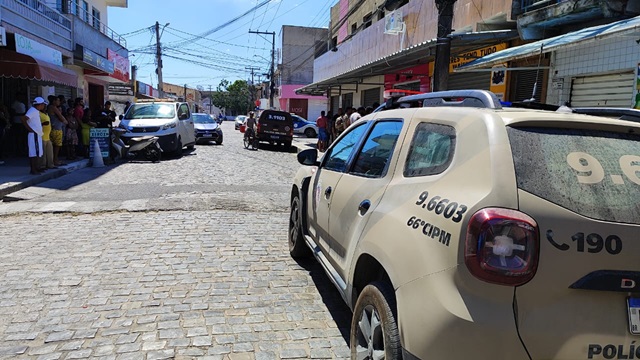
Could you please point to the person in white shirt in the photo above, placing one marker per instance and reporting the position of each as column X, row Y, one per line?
column 31, row 122
column 356, row 115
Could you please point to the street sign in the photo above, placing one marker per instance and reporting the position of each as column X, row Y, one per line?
column 102, row 135
column 118, row 89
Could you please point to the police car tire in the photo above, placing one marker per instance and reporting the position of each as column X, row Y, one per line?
column 376, row 298
column 297, row 246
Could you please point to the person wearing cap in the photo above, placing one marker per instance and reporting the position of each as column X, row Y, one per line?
column 31, row 122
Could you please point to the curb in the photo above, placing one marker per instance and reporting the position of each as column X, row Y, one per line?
column 6, row 189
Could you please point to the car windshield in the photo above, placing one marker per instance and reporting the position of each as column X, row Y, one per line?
column 151, row 111
column 202, row 119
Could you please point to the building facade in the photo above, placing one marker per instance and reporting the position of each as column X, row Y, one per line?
column 298, row 48
column 584, row 53
column 380, row 47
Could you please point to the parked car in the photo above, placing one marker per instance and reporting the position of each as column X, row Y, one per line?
column 275, row 127
column 229, row 117
column 304, row 126
column 169, row 120
column 207, row 129
column 513, row 231
column 240, row 119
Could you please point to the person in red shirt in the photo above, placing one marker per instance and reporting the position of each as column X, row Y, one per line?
column 321, row 122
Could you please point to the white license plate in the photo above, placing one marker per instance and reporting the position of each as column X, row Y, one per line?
column 633, row 307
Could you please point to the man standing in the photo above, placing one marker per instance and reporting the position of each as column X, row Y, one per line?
column 357, row 115
column 31, row 122
column 321, row 122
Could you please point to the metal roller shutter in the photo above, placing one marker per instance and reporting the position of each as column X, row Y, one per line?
column 472, row 81
column 612, row 90
column 370, row 96
column 524, row 82
column 335, row 104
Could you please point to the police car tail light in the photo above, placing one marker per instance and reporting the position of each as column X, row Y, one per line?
column 502, row 246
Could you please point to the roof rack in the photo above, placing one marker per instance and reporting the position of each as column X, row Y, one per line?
column 463, row 98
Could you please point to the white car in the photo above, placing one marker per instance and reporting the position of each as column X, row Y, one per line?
column 465, row 230
column 240, row 119
column 170, row 121
column 304, row 127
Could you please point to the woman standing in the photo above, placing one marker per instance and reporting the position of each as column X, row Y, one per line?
column 58, row 122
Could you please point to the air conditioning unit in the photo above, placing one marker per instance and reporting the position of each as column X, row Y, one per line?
column 393, row 23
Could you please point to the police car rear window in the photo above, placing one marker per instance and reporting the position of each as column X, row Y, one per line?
column 593, row 173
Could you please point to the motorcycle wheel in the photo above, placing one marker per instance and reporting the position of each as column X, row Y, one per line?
column 152, row 154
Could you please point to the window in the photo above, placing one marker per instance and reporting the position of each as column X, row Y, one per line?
column 339, row 154
column 85, row 11
column 367, row 20
column 354, row 28
column 96, row 18
column 183, row 109
column 431, row 150
column 373, row 159
column 381, row 14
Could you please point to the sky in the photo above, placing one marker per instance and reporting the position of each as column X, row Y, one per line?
column 199, row 47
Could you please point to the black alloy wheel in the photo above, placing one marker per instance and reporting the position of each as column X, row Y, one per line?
column 297, row 246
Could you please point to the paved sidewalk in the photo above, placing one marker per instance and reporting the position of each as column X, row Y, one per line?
column 14, row 174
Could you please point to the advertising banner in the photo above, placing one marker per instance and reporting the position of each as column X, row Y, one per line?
column 102, row 135
column 121, row 66
column 26, row 46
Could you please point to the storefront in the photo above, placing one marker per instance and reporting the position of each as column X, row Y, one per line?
column 97, row 71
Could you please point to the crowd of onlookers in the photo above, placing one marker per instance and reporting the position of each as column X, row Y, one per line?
column 331, row 126
column 50, row 129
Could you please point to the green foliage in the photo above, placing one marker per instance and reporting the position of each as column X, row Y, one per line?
column 234, row 97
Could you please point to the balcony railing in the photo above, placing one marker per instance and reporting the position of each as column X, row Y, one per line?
column 48, row 12
column 81, row 11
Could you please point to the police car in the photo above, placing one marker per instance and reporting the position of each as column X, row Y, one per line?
column 304, row 127
column 465, row 230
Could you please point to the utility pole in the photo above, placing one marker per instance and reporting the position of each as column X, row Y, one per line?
column 210, row 99
column 272, row 85
column 252, row 89
column 443, row 45
column 185, row 92
column 159, row 60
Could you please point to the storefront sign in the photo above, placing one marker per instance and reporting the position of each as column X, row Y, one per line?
column 121, row 66
column 118, row 89
column 499, row 81
column 26, row 46
column 102, row 135
column 469, row 56
column 97, row 61
column 3, row 36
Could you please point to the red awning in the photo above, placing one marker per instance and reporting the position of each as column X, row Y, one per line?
column 16, row 65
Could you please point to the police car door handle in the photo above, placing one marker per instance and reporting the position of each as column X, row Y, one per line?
column 364, row 207
column 327, row 193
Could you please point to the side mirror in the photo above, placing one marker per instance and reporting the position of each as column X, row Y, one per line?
column 183, row 116
column 308, row 157
column 121, row 117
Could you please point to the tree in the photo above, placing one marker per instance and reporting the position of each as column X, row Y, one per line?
column 233, row 97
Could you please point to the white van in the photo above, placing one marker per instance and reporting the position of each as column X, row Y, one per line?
column 169, row 120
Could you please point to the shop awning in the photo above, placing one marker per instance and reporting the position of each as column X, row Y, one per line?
column 16, row 65
column 552, row 44
column 412, row 56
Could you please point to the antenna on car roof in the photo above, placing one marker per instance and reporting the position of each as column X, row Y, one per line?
column 535, row 84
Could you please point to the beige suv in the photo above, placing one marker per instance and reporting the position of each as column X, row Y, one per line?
column 464, row 230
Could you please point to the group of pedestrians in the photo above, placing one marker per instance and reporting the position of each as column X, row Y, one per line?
column 331, row 126
column 51, row 128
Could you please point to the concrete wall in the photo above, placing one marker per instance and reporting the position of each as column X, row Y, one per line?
column 610, row 55
column 298, row 53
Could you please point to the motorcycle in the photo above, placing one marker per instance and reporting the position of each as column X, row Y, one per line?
column 143, row 146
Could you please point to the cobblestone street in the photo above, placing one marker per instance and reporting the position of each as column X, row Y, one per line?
column 193, row 263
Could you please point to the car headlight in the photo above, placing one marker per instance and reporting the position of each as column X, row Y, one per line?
column 127, row 128
column 169, row 126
